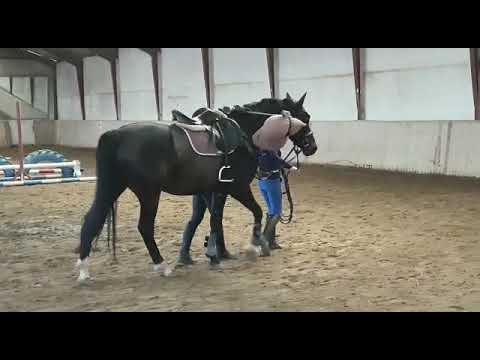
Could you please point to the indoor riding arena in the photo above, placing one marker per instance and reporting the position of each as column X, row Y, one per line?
column 385, row 214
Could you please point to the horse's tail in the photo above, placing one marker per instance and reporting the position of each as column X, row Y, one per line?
column 109, row 186
column 106, row 165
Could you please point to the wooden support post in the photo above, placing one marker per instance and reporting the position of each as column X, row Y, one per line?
column 55, row 97
column 156, row 82
column 81, row 87
column 475, row 69
column 32, row 90
column 271, row 71
column 206, row 60
column 113, row 69
column 359, row 76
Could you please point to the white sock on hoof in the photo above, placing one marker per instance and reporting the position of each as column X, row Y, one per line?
column 82, row 266
column 162, row 268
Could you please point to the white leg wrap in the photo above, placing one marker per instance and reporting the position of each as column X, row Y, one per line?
column 163, row 269
column 82, row 266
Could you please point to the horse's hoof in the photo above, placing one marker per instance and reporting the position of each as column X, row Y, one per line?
column 214, row 259
column 215, row 266
column 83, row 278
column 82, row 267
column 185, row 260
column 163, row 269
column 227, row 256
column 265, row 249
column 275, row 246
column 251, row 253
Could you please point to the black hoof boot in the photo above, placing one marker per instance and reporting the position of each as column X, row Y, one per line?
column 259, row 240
column 212, row 251
column 265, row 247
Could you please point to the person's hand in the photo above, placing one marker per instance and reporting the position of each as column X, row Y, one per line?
column 294, row 168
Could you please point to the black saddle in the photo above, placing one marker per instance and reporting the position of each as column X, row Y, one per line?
column 184, row 119
column 213, row 133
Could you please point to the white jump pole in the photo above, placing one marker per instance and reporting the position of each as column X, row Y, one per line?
column 46, row 181
column 75, row 164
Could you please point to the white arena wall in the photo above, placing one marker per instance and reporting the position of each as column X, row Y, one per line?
column 68, row 93
column 98, row 84
column 327, row 77
column 418, row 84
column 429, row 147
column 418, row 102
column 183, row 85
column 240, row 76
column 21, row 70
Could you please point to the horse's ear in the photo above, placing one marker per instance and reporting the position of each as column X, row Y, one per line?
column 289, row 97
column 302, row 99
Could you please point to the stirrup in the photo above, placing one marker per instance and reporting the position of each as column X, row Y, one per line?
column 220, row 174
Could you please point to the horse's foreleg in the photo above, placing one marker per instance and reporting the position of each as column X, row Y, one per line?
column 215, row 227
column 217, row 211
column 246, row 198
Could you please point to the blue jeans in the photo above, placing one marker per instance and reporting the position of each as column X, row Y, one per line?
column 272, row 193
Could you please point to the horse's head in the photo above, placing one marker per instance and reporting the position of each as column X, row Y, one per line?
column 304, row 139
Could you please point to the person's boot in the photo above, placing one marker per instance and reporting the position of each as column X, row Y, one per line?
column 270, row 230
column 184, row 257
column 267, row 222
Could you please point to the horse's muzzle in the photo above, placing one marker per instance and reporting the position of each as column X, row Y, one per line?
column 310, row 148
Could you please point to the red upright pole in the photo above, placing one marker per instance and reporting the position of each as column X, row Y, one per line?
column 20, row 141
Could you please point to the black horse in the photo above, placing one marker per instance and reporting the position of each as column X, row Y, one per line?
column 149, row 158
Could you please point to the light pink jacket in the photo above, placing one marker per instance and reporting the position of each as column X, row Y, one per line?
column 273, row 134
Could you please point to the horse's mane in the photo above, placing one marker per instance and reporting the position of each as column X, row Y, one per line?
column 261, row 103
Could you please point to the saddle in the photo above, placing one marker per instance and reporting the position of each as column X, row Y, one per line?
column 211, row 133
column 184, row 119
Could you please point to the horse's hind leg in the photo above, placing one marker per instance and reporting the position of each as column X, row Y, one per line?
column 146, row 226
column 93, row 224
column 246, row 198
